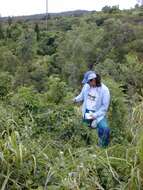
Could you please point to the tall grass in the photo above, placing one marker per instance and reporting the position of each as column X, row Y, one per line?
column 47, row 162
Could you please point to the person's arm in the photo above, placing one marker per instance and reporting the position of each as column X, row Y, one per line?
column 80, row 97
column 105, row 104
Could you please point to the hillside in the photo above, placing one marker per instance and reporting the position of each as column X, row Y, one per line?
column 43, row 16
column 44, row 144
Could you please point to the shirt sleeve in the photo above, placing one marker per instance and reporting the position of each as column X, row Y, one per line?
column 80, row 97
column 105, row 104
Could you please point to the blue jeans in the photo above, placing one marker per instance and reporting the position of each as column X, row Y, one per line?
column 103, row 133
column 102, row 129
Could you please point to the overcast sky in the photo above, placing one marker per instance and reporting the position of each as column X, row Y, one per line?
column 28, row 7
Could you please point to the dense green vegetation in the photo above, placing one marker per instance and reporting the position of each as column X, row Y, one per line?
column 43, row 144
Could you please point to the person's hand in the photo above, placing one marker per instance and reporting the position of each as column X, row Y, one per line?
column 92, row 115
column 89, row 115
column 74, row 100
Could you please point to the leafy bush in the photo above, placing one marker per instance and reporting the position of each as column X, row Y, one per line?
column 118, row 113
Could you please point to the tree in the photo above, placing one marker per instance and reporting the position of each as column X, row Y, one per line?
column 132, row 72
column 37, row 31
column 113, row 9
column 9, row 20
column 5, row 84
column 8, row 61
column 118, row 112
column 26, row 47
column 26, row 52
column 57, row 90
column 47, row 43
column 39, row 76
column 1, row 31
column 25, row 100
column 78, row 51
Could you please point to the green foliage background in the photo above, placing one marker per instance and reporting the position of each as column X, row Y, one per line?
column 43, row 144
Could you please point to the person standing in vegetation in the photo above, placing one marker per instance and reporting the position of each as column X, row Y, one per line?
column 96, row 99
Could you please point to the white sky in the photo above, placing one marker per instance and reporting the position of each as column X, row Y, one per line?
column 28, row 7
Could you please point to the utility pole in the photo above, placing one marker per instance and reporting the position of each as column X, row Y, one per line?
column 47, row 14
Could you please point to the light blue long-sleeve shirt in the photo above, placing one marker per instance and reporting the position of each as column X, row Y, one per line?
column 102, row 101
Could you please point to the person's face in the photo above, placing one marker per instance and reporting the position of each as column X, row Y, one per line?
column 92, row 82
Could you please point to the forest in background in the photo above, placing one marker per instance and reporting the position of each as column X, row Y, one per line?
column 43, row 144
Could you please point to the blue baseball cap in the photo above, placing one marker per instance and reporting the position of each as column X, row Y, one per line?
column 85, row 78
